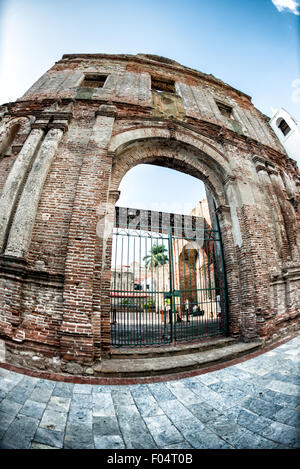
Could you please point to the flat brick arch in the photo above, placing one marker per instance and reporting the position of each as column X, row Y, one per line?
column 211, row 148
column 192, row 154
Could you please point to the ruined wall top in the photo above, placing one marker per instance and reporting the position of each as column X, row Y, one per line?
column 159, row 86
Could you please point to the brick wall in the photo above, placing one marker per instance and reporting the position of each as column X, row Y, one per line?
column 54, row 298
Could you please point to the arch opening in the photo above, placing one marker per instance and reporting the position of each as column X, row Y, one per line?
column 168, row 281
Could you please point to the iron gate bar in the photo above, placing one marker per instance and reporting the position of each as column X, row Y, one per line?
column 201, row 280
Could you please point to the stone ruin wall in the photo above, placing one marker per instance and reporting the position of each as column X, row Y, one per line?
column 65, row 146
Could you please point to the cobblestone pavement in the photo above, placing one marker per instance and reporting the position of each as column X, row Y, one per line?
column 254, row 404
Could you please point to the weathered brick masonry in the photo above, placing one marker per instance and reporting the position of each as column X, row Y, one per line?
column 65, row 147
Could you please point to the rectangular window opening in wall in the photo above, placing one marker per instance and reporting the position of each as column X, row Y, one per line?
column 162, row 85
column 284, row 127
column 94, row 81
column 225, row 110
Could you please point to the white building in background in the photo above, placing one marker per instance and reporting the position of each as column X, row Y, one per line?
column 287, row 130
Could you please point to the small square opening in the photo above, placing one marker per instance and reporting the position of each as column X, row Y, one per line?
column 162, row 85
column 94, row 81
column 225, row 110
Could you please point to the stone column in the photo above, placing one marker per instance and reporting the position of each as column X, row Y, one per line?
column 274, row 238
column 287, row 215
column 271, row 201
column 20, row 233
column 13, row 185
column 102, row 281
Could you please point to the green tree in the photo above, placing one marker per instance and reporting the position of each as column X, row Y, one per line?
column 156, row 256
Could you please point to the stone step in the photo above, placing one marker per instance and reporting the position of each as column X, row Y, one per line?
column 171, row 350
column 160, row 365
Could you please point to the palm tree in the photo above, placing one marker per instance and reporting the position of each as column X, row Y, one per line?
column 156, row 256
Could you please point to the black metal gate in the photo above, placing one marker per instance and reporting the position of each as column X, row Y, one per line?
column 167, row 279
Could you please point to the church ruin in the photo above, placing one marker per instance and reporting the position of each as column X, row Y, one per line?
column 65, row 147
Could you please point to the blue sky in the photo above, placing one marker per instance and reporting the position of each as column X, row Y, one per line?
column 251, row 45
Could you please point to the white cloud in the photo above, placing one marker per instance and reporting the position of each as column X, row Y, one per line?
column 290, row 5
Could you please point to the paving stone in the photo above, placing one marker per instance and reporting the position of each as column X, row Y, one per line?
column 33, row 409
column 288, row 416
column 105, row 426
column 204, row 412
column 227, row 391
column 261, row 407
column 251, row 440
column 207, row 379
column 133, row 428
column 127, row 412
column 10, row 407
column 137, row 439
column 287, row 375
column 281, row 433
column 182, row 392
column 215, row 399
column 5, row 421
column 163, row 431
column 14, row 378
column 175, row 410
column 80, row 414
column 109, row 442
column 206, row 440
column 79, row 436
column 19, row 394
column 41, row 394
column 82, row 400
column 60, row 404
column 240, row 384
column 161, row 392
column 6, row 385
column 191, row 424
column 148, row 406
column 29, row 383
column 140, row 391
column 279, row 398
column 252, row 421
column 20, row 433
column 2, row 394
column 226, row 429
column 82, row 389
column 63, row 390
column 103, row 405
column 97, row 388
column 46, row 384
column 4, row 373
column 49, row 437
column 253, row 367
column 53, row 420
column 284, row 387
column 197, row 385
column 41, row 446
column 122, row 397
column 181, row 445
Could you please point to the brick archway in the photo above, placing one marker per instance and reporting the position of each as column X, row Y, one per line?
column 60, row 184
column 197, row 156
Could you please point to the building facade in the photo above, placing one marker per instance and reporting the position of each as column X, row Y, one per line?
column 65, row 147
column 287, row 130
